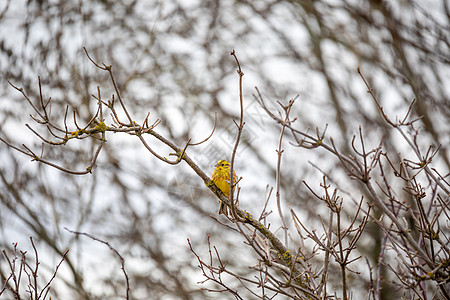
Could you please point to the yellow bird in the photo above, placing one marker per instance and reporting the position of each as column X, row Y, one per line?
column 221, row 178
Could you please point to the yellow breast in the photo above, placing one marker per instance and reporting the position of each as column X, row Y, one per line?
column 221, row 179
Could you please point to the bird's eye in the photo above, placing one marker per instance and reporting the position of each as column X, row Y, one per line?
column 223, row 165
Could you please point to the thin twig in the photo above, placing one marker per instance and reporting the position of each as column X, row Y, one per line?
column 122, row 260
